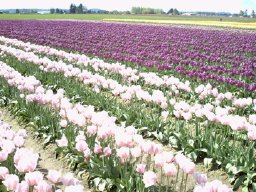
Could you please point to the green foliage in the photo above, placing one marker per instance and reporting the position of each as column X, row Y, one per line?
column 214, row 144
column 142, row 10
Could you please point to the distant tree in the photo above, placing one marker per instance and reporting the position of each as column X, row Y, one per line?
column 235, row 15
column 245, row 13
column 84, row 9
column 72, row 8
column 33, row 11
column 241, row 13
column 52, row 11
column 136, row 10
column 253, row 14
column 147, row 11
column 170, row 11
column 57, row 10
column 79, row 9
column 115, row 12
column 17, row 11
column 158, row 11
column 143, row 10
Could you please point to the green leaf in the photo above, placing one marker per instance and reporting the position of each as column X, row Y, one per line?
column 239, row 181
column 216, row 146
column 245, row 189
column 207, row 161
column 193, row 156
column 160, row 136
column 191, row 142
column 202, row 150
column 231, row 169
column 102, row 185
column 254, row 187
column 218, row 162
column 96, row 181
column 252, row 175
column 173, row 141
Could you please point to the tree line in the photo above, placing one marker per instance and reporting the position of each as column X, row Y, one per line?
column 81, row 9
column 143, row 10
column 245, row 13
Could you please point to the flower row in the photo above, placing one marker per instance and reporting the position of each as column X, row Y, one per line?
column 121, row 142
column 18, row 166
column 179, row 50
column 182, row 109
column 133, row 75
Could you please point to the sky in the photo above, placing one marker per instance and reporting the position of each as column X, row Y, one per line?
column 233, row 6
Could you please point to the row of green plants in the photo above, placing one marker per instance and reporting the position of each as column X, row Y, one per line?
column 238, row 160
column 106, row 171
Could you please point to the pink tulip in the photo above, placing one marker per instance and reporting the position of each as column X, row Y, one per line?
column 252, row 134
column 187, row 116
column 81, row 146
column 80, row 137
column 214, row 185
column 149, row 178
column 92, row 130
column 107, row 151
column 33, row 178
column 135, row 152
column 140, row 168
column 10, row 134
column 80, row 120
column 123, row 140
column 54, row 176
column 159, row 160
column 123, row 153
column 87, row 154
column 11, row 182
column 27, row 163
column 179, row 158
column 22, row 187
column 69, row 179
column 164, row 115
column 131, row 130
column 22, row 133
column 63, row 142
column 169, row 169
column 147, row 147
column 157, row 148
column 3, row 155
column 43, row 186
column 224, row 188
column 19, row 141
column 8, row 146
column 168, row 156
column 63, row 123
column 74, row 188
column 97, row 149
column 189, row 167
column 200, row 188
column 3, row 172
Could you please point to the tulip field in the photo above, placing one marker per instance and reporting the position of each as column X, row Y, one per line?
column 135, row 107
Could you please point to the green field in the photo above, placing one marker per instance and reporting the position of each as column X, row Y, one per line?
column 109, row 16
